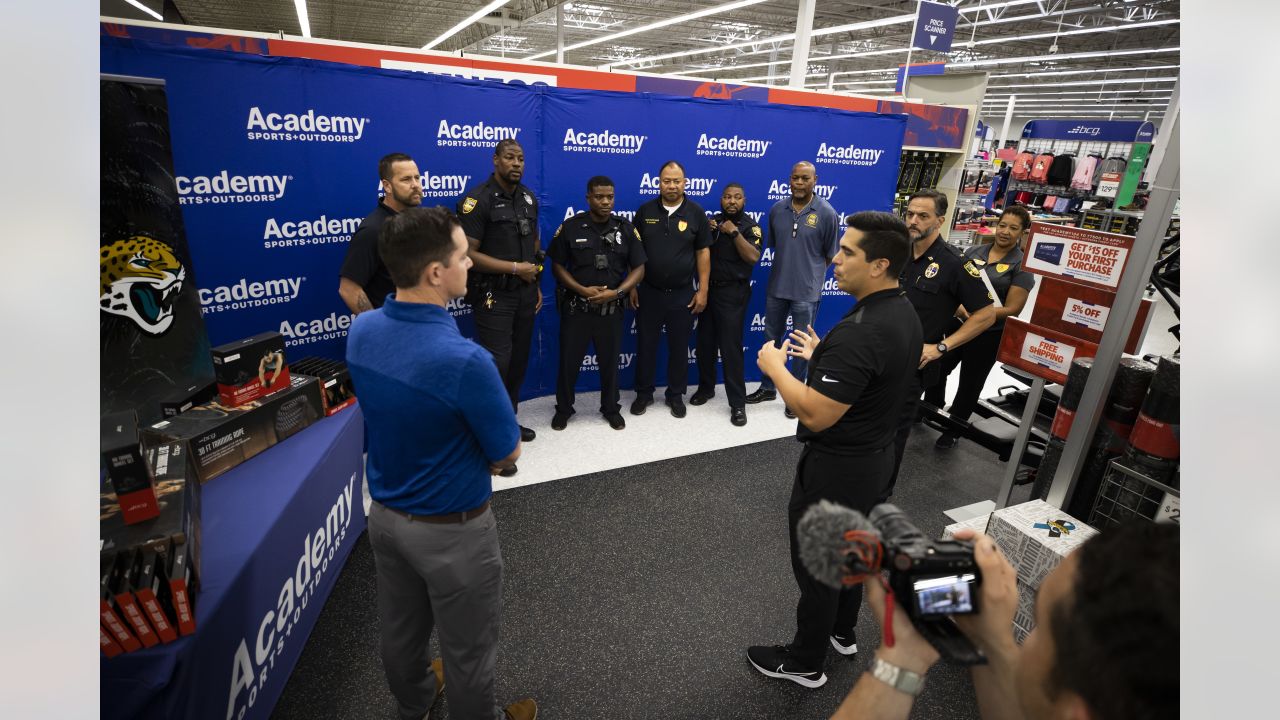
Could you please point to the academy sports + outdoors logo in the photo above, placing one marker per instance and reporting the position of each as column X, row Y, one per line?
column 303, row 127
column 693, row 187
column 478, row 135
column 227, row 188
column 244, row 294
column 731, row 146
column 437, row 186
column 332, row 327
column 629, row 215
column 781, row 190
column 831, row 288
column 847, row 155
column 604, row 141
column 591, row 363
column 320, row 231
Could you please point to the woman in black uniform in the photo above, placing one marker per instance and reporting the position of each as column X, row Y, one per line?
column 1001, row 261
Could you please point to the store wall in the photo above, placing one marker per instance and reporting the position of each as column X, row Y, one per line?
column 276, row 163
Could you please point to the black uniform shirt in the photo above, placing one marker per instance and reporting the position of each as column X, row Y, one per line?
column 579, row 240
column 726, row 263
column 866, row 361
column 363, row 265
column 493, row 216
column 938, row 283
column 670, row 242
column 1003, row 275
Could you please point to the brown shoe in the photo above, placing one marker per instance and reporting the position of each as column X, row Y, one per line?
column 525, row 709
column 437, row 667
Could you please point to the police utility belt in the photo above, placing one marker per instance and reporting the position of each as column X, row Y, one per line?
column 575, row 304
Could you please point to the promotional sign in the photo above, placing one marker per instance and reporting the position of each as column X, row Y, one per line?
column 276, row 166
column 935, row 24
column 1095, row 130
column 1109, row 184
column 1089, row 257
column 1042, row 352
column 1133, row 173
column 1082, row 311
column 919, row 69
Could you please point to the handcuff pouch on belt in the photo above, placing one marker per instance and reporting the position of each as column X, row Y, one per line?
column 571, row 303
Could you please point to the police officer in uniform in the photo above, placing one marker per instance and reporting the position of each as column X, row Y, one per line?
column 677, row 242
column 736, row 241
column 500, row 219
column 937, row 281
column 597, row 260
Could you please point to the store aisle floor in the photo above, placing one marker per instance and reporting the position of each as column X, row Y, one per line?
column 634, row 592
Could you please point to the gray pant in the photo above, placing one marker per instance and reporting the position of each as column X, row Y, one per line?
column 447, row 574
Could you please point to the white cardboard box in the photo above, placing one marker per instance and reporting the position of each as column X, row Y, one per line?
column 978, row 523
column 1036, row 536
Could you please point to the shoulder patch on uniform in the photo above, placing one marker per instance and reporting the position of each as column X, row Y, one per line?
column 972, row 269
column 557, row 232
column 755, row 230
column 637, row 232
column 468, row 205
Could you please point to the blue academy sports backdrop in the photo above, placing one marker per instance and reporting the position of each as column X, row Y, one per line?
column 276, row 164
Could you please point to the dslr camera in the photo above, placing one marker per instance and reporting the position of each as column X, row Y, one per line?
column 932, row 580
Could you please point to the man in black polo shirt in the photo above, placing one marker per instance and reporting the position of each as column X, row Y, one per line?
column 364, row 283
column 937, row 282
column 500, row 219
column 857, row 383
column 677, row 241
column 735, row 250
column 597, row 259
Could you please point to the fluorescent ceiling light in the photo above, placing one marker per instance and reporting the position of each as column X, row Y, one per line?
column 303, row 20
column 1078, row 83
column 1082, row 31
column 1094, row 71
column 1059, row 56
column 458, row 28
column 149, row 11
column 1091, row 93
column 727, row 7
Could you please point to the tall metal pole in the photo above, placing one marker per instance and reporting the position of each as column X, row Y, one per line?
column 1146, row 247
column 560, row 33
column 1008, row 120
column 800, row 49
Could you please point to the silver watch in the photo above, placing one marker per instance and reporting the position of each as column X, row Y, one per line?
column 899, row 679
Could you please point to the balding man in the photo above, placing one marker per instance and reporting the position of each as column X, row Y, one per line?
column 804, row 231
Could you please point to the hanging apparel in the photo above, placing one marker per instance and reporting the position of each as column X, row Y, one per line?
column 1022, row 165
column 1113, row 164
column 1083, row 177
column 1060, row 206
column 1040, row 168
column 1060, row 170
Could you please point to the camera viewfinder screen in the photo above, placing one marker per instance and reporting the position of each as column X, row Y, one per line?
column 946, row 595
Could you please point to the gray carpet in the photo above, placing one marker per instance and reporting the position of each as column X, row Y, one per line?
column 635, row 593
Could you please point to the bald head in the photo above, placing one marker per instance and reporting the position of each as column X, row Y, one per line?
column 803, row 178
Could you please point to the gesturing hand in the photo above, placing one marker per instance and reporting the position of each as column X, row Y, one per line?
column 801, row 344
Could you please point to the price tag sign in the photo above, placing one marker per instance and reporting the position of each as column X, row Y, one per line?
column 1109, row 184
column 1169, row 510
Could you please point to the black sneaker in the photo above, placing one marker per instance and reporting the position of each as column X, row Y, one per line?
column 615, row 421
column 786, row 410
column 845, row 643
column 637, row 407
column 946, row 441
column 762, row 395
column 527, row 434
column 509, row 471
column 701, row 397
column 776, row 662
column 677, row 407
column 738, row 416
column 559, row 421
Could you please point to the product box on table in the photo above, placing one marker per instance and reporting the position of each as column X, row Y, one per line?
column 109, row 614
column 978, row 524
column 248, row 369
column 220, row 437
column 1024, row 618
column 335, row 381
column 1036, row 536
column 184, row 398
column 122, row 459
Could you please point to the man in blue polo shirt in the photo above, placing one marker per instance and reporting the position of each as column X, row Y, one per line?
column 804, row 231
column 439, row 425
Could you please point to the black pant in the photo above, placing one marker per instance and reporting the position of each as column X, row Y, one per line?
column 720, row 329
column 576, row 332
column 506, row 331
column 659, row 308
column 975, row 358
column 905, row 419
column 855, row 482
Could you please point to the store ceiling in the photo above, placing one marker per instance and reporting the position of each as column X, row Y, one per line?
column 1061, row 57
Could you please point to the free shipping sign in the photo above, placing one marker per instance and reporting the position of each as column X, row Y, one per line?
column 1089, row 257
column 1042, row 352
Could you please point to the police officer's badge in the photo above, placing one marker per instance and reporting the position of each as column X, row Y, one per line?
column 468, row 205
column 931, row 271
column 756, row 231
column 812, row 220
column 1002, row 268
column 972, row 269
column 528, row 200
column 682, row 225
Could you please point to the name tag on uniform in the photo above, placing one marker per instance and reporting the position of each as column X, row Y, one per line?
column 580, row 241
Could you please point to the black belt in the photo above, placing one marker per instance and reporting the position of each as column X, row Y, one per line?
column 685, row 286
column 456, row 518
column 724, row 283
column 496, row 281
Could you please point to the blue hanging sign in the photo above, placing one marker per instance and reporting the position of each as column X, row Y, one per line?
column 935, row 24
column 1099, row 130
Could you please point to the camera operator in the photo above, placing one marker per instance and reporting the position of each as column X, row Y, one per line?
column 1105, row 645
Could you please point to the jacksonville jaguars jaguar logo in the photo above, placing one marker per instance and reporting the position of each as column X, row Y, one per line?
column 141, row 280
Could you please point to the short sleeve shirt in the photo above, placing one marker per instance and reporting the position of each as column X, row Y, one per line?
column 363, row 265
column 804, row 243
column 726, row 264
column 671, row 242
column 937, row 283
column 578, row 241
column 1003, row 275
column 496, row 218
column 866, row 362
column 436, row 412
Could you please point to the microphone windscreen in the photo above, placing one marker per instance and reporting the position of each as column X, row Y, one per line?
column 820, row 533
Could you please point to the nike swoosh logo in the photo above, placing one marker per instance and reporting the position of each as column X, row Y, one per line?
column 784, row 672
column 828, row 378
